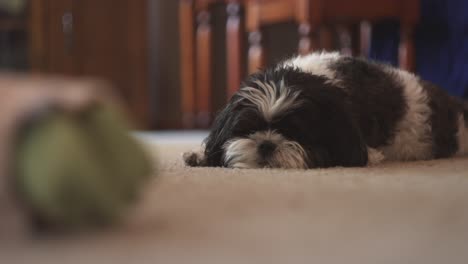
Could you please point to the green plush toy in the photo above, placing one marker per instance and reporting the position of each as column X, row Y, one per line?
column 78, row 170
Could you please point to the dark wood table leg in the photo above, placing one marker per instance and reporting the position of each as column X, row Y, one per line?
column 345, row 39
column 187, row 62
column 365, row 35
column 233, row 48
column 315, row 17
column 203, row 90
column 406, row 49
column 255, row 53
column 304, row 29
column 409, row 17
column 326, row 37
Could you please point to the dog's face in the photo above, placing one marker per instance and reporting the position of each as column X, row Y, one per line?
column 284, row 118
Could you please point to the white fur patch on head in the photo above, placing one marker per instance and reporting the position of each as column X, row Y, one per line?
column 243, row 152
column 462, row 136
column 316, row 63
column 412, row 140
column 269, row 99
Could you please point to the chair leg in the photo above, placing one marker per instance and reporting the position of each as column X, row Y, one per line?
column 326, row 38
column 304, row 29
column 345, row 39
column 255, row 53
column 305, row 41
column 187, row 63
column 406, row 49
column 409, row 18
column 203, row 94
column 365, row 31
column 233, row 47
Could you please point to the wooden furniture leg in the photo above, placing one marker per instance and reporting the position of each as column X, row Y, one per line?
column 345, row 39
column 37, row 40
column 187, row 63
column 326, row 37
column 302, row 17
column 406, row 49
column 315, row 15
column 233, row 47
column 409, row 18
column 203, row 95
column 365, row 31
column 255, row 53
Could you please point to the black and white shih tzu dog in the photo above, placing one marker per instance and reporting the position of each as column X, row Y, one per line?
column 324, row 110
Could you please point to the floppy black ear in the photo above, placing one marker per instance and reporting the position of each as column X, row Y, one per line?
column 220, row 132
column 213, row 153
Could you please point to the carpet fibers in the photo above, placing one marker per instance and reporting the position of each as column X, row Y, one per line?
column 392, row 213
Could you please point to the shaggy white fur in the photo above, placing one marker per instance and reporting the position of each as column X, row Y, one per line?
column 412, row 139
column 243, row 152
column 315, row 63
column 374, row 156
column 268, row 101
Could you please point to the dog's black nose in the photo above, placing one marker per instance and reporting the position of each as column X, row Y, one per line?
column 266, row 148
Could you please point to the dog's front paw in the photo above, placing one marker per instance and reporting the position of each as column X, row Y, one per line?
column 193, row 159
column 374, row 156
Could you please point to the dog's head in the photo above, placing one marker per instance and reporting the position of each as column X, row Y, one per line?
column 285, row 118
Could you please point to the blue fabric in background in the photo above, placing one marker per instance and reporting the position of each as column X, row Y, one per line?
column 441, row 44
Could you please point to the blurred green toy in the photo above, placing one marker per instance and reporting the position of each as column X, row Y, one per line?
column 79, row 170
column 74, row 165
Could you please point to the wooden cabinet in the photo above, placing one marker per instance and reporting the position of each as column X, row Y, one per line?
column 105, row 39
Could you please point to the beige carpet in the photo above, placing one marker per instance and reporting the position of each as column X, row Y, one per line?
column 393, row 213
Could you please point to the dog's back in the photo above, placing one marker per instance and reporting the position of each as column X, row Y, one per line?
column 400, row 115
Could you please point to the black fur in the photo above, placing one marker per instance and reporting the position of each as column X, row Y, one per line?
column 336, row 120
column 444, row 120
column 237, row 119
column 378, row 102
column 317, row 125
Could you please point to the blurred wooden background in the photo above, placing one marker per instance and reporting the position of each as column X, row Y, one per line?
column 105, row 38
column 142, row 46
column 343, row 25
